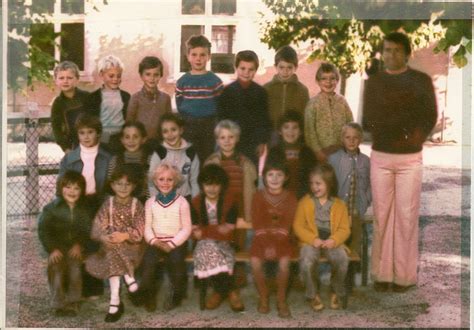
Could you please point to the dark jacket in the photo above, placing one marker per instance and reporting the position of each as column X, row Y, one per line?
column 64, row 113
column 73, row 161
column 95, row 99
column 248, row 107
column 60, row 227
column 306, row 161
column 227, row 210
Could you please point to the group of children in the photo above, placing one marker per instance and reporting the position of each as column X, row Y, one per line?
column 137, row 181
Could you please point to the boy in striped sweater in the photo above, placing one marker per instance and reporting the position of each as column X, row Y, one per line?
column 196, row 93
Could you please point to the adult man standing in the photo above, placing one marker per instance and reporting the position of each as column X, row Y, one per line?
column 400, row 112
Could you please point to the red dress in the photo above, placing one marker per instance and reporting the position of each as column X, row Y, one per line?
column 272, row 219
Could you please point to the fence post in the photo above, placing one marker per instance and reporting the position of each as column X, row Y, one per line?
column 32, row 159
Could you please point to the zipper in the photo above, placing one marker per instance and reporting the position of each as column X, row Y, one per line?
column 71, row 211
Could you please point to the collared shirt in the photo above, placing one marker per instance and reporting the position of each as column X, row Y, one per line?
column 322, row 215
column 165, row 199
column 111, row 115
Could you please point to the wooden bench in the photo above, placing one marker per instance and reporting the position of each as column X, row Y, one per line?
column 244, row 257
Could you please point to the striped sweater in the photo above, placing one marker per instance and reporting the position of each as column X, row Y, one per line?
column 196, row 94
column 170, row 222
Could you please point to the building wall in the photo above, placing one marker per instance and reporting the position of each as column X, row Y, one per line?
column 147, row 27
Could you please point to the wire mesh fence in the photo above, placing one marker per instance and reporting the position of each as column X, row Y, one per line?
column 32, row 165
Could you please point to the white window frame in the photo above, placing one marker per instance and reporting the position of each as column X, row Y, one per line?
column 57, row 18
column 207, row 20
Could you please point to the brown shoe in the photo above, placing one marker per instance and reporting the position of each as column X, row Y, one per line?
column 335, row 303
column 317, row 305
column 263, row 306
column 283, row 310
column 214, row 301
column 150, row 305
column 381, row 286
column 235, row 302
column 401, row 288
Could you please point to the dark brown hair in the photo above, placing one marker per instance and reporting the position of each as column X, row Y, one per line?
column 150, row 62
column 213, row 174
column 88, row 121
column 401, row 39
column 277, row 166
column 247, row 56
column 196, row 41
column 71, row 177
column 287, row 54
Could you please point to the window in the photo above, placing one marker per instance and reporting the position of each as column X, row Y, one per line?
column 42, row 7
column 222, row 36
column 198, row 7
column 67, row 17
column 222, row 57
column 223, row 7
column 72, row 7
column 72, row 43
column 193, row 7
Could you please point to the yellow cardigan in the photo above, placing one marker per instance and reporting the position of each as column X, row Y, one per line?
column 305, row 228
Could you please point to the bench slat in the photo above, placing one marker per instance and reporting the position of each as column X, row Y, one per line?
column 244, row 256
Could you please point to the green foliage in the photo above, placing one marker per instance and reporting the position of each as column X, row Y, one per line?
column 458, row 37
column 31, row 42
column 351, row 43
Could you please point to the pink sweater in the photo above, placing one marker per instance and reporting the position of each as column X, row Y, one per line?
column 169, row 223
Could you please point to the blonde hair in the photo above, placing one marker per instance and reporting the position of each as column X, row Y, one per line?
column 229, row 125
column 352, row 125
column 108, row 62
column 66, row 65
column 164, row 167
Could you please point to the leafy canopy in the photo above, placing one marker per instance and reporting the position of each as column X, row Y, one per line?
column 349, row 34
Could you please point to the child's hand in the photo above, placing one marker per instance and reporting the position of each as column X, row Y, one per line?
column 118, row 237
column 162, row 246
column 321, row 156
column 55, row 257
column 329, row 244
column 197, row 233
column 107, row 239
column 224, row 229
column 269, row 253
column 242, row 224
column 75, row 252
column 261, row 149
column 317, row 242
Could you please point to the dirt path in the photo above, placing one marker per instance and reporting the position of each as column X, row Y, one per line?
column 441, row 299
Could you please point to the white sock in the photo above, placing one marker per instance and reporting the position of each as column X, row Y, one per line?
column 130, row 279
column 114, row 282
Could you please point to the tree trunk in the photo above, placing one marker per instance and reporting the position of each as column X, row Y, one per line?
column 343, row 85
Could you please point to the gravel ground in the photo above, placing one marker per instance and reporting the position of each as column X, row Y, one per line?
column 440, row 300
